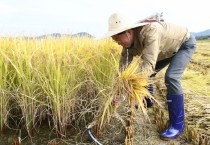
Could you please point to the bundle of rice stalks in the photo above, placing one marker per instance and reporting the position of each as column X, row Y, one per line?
column 131, row 86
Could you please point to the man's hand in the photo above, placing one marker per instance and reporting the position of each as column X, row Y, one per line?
column 118, row 99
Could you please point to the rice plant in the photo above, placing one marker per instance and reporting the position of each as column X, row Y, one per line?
column 23, row 89
column 100, row 67
column 4, row 90
column 61, row 78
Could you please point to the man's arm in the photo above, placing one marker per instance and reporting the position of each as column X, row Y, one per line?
column 151, row 42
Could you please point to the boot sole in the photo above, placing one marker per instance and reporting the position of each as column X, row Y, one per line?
column 168, row 139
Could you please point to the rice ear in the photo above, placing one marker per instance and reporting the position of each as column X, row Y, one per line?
column 130, row 83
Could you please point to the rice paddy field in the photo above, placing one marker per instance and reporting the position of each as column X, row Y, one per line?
column 51, row 89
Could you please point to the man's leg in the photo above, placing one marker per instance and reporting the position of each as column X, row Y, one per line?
column 175, row 95
column 159, row 66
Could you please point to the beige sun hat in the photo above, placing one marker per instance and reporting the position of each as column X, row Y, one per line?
column 117, row 24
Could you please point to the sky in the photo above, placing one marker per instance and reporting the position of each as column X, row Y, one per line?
column 38, row 17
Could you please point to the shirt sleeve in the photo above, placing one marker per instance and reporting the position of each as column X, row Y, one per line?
column 151, row 44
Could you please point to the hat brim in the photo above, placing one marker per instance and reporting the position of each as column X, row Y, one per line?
column 112, row 33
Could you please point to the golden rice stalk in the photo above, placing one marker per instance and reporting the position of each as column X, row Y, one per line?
column 105, row 114
column 134, row 84
column 130, row 83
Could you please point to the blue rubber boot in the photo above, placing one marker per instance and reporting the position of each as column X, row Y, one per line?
column 176, row 117
column 149, row 101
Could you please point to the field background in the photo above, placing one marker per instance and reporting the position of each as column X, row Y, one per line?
column 52, row 88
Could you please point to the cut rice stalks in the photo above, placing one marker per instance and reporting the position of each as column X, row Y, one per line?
column 131, row 86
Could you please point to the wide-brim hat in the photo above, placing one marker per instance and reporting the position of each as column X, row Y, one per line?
column 117, row 24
